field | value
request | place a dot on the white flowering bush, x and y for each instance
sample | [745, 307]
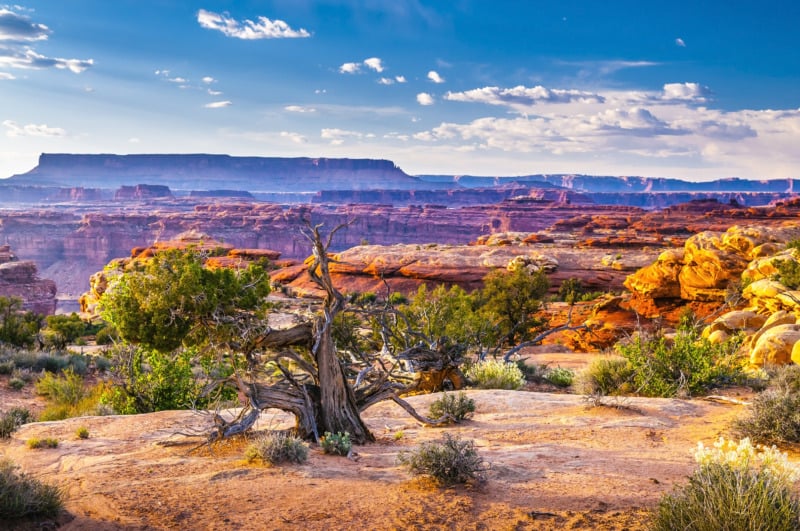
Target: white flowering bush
[737, 486]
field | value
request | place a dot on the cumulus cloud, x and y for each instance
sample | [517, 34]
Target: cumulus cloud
[400, 79]
[208, 80]
[297, 138]
[299, 108]
[218, 104]
[43, 130]
[263, 28]
[523, 96]
[214, 92]
[337, 136]
[680, 42]
[435, 77]
[374, 63]
[349, 68]
[18, 33]
[19, 28]
[423, 98]
[687, 92]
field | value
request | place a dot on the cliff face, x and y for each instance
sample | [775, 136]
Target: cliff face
[206, 172]
[20, 279]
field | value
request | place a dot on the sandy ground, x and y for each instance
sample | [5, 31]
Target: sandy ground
[555, 463]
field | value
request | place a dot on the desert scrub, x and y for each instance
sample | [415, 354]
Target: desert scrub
[23, 496]
[774, 415]
[447, 462]
[16, 383]
[336, 443]
[560, 377]
[496, 374]
[82, 432]
[689, 365]
[458, 407]
[277, 447]
[605, 377]
[13, 419]
[7, 366]
[737, 486]
[36, 444]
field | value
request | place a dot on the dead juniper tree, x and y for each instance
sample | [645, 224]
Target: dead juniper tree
[324, 393]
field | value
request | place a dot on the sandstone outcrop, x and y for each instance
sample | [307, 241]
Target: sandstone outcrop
[20, 279]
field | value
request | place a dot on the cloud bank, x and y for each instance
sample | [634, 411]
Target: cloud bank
[263, 28]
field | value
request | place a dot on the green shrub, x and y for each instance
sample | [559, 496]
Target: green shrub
[16, 383]
[737, 487]
[605, 377]
[448, 462]
[82, 432]
[23, 496]
[89, 404]
[277, 447]
[36, 444]
[458, 407]
[107, 335]
[774, 418]
[66, 388]
[13, 419]
[53, 363]
[336, 443]
[7, 366]
[496, 374]
[788, 272]
[560, 377]
[102, 363]
[689, 365]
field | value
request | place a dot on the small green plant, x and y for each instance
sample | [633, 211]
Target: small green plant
[23, 496]
[560, 377]
[496, 374]
[277, 447]
[16, 383]
[447, 462]
[459, 407]
[64, 389]
[774, 415]
[7, 366]
[605, 377]
[398, 435]
[736, 487]
[13, 419]
[336, 443]
[36, 444]
[82, 432]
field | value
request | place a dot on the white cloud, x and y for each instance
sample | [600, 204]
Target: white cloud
[177, 80]
[435, 77]
[680, 42]
[320, 91]
[218, 104]
[6, 75]
[264, 28]
[337, 136]
[400, 79]
[386, 81]
[688, 92]
[18, 33]
[208, 80]
[374, 63]
[297, 138]
[299, 109]
[42, 130]
[523, 96]
[349, 68]
[19, 28]
[423, 98]
[214, 92]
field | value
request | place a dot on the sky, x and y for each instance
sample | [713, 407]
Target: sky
[684, 89]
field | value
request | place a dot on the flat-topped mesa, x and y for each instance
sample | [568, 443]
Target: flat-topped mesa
[204, 171]
[20, 279]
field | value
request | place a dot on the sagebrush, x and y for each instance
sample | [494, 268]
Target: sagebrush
[24, 496]
[277, 447]
[459, 407]
[496, 374]
[448, 462]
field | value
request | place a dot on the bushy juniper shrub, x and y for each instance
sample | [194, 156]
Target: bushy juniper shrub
[24, 496]
[496, 374]
[336, 443]
[788, 273]
[277, 447]
[459, 407]
[447, 462]
[736, 487]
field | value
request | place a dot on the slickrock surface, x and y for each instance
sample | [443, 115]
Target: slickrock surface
[554, 464]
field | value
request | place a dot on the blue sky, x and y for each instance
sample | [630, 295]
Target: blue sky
[686, 89]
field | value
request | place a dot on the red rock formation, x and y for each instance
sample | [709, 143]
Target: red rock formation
[20, 279]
